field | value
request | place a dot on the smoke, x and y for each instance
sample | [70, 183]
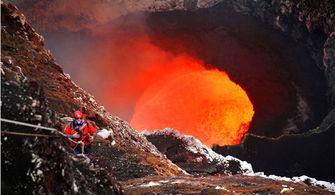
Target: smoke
[100, 51]
[108, 55]
[116, 62]
[71, 15]
[120, 67]
[74, 15]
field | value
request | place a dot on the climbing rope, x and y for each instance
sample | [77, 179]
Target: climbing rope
[26, 134]
[35, 126]
[79, 143]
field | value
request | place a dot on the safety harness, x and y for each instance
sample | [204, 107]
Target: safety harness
[79, 130]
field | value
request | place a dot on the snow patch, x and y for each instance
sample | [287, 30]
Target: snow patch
[113, 143]
[39, 172]
[313, 181]
[74, 187]
[286, 188]
[220, 188]
[67, 75]
[302, 179]
[150, 184]
[66, 119]
[104, 133]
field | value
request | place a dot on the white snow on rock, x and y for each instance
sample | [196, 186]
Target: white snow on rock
[67, 75]
[285, 190]
[113, 143]
[67, 119]
[313, 181]
[74, 186]
[301, 179]
[220, 188]
[150, 184]
[195, 146]
[104, 133]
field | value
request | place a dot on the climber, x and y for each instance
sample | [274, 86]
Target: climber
[80, 130]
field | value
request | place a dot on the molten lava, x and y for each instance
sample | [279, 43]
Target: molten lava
[157, 89]
[203, 103]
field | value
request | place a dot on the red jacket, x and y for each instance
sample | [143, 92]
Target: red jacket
[84, 130]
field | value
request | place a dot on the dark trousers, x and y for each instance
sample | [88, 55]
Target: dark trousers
[78, 149]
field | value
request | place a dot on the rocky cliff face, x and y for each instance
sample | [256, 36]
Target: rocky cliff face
[304, 21]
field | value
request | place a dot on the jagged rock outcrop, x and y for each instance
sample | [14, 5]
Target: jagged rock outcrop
[194, 157]
[35, 90]
[41, 165]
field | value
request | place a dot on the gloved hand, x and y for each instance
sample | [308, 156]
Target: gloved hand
[76, 135]
[90, 138]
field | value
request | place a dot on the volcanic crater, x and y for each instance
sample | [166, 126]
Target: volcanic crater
[279, 64]
[287, 89]
[285, 85]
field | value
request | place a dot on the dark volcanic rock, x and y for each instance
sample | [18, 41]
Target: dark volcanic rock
[194, 157]
[117, 162]
[307, 22]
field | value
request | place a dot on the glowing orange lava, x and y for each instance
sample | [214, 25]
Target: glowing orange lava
[160, 89]
[203, 103]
